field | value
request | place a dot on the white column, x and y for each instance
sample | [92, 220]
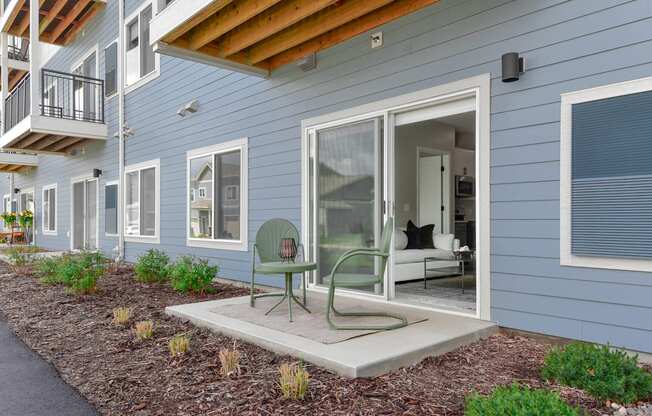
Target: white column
[4, 68]
[34, 57]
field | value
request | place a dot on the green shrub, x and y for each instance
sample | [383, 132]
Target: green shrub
[190, 274]
[518, 401]
[47, 269]
[80, 271]
[604, 373]
[152, 266]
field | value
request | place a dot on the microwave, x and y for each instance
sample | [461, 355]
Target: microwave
[464, 186]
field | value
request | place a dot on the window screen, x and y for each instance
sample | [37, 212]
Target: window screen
[110, 69]
[111, 209]
[611, 183]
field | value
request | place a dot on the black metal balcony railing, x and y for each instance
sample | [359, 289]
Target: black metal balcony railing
[17, 104]
[66, 96]
[18, 48]
[72, 96]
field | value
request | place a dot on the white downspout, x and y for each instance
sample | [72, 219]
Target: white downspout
[121, 133]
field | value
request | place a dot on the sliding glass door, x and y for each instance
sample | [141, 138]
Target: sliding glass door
[84, 215]
[346, 196]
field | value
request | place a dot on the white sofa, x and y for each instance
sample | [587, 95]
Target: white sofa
[408, 264]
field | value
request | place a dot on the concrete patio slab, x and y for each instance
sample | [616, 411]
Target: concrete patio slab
[365, 356]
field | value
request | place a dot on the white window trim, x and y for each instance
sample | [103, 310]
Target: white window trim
[52, 186]
[25, 191]
[94, 49]
[151, 239]
[235, 245]
[110, 183]
[157, 57]
[202, 190]
[566, 258]
[117, 86]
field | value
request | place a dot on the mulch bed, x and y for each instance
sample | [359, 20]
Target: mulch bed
[119, 375]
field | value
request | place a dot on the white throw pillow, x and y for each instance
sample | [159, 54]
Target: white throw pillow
[400, 240]
[443, 241]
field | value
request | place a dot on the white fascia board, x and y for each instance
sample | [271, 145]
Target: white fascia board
[72, 128]
[166, 49]
[16, 133]
[18, 159]
[174, 15]
[16, 64]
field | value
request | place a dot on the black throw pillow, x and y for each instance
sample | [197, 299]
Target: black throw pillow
[414, 238]
[425, 236]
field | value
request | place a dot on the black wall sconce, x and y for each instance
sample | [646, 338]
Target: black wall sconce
[512, 67]
[97, 173]
[16, 190]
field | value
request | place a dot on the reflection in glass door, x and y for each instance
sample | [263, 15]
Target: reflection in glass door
[346, 196]
[84, 215]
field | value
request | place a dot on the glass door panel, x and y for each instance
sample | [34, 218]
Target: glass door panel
[78, 198]
[91, 215]
[347, 179]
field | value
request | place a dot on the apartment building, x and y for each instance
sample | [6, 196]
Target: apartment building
[520, 128]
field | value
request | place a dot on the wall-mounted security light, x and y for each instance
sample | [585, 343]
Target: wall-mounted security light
[376, 40]
[308, 62]
[16, 190]
[189, 108]
[513, 67]
[97, 173]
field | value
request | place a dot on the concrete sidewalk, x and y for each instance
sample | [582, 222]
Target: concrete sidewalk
[29, 386]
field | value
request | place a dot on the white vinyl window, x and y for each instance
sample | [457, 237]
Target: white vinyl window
[111, 69]
[141, 63]
[218, 218]
[49, 209]
[142, 202]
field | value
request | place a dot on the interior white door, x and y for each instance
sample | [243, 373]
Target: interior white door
[431, 191]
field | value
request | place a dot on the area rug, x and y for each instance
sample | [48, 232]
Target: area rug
[312, 325]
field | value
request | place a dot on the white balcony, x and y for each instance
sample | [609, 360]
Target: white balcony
[71, 113]
[17, 162]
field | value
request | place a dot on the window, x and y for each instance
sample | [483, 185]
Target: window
[111, 208]
[214, 219]
[49, 209]
[606, 177]
[142, 202]
[111, 69]
[140, 59]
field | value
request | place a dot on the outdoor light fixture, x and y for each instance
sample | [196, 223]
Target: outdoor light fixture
[16, 190]
[307, 63]
[512, 67]
[97, 173]
[191, 108]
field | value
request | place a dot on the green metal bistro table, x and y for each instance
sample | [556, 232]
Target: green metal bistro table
[288, 269]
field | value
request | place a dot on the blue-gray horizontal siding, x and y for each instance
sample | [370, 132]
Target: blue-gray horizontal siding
[567, 45]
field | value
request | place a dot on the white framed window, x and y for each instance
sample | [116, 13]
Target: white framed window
[231, 193]
[111, 208]
[49, 209]
[142, 202]
[141, 63]
[606, 177]
[111, 69]
[213, 221]
[202, 192]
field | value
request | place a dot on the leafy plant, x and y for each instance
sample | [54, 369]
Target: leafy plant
[144, 329]
[121, 316]
[293, 381]
[229, 361]
[604, 373]
[80, 271]
[179, 345]
[515, 400]
[8, 217]
[152, 266]
[190, 274]
[19, 257]
[47, 269]
[26, 218]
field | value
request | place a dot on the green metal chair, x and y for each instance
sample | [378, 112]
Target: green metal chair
[352, 281]
[266, 247]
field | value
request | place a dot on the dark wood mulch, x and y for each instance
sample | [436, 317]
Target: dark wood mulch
[120, 375]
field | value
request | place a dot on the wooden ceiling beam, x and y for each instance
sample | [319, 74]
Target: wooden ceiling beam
[77, 26]
[29, 140]
[76, 10]
[47, 142]
[311, 27]
[345, 32]
[52, 14]
[204, 14]
[269, 23]
[230, 17]
[62, 144]
[12, 18]
[71, 147]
